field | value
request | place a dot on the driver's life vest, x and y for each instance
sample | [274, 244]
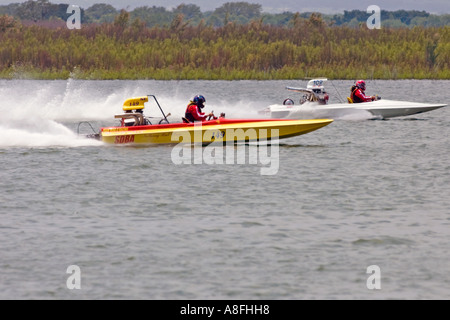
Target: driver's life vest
[188, 114]
[354, 97]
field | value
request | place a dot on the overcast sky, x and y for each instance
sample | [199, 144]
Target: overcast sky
[274, 6]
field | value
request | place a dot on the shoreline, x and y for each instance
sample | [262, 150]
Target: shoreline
[170, 75]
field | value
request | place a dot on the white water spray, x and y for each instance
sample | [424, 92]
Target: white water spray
[46, 113]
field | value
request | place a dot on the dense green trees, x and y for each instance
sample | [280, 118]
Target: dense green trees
[100, 13]
[237, 12]
[126, 49]
[153, 43]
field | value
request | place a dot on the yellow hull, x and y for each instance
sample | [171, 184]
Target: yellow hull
[228, 131]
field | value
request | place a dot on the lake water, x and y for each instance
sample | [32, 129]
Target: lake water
[354, 194]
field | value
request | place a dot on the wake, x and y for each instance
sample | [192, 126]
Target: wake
[42, 133]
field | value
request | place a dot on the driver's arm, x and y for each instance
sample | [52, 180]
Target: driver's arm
[198, 115]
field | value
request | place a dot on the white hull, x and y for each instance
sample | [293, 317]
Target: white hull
[381, 109]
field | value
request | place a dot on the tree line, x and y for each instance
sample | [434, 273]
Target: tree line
[237, 12]
[309, 47]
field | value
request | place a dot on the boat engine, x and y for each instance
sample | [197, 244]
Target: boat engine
[317, 86]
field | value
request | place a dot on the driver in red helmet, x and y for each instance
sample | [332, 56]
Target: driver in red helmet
[194, 110]
[358, 94]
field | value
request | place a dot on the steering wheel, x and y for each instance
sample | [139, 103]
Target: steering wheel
[211, 116]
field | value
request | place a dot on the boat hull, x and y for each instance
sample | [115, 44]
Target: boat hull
[221, 130]
[383, 109]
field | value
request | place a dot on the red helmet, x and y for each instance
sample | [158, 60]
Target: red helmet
[361, 84]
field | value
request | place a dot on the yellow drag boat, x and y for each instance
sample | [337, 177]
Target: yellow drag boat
[136, 129]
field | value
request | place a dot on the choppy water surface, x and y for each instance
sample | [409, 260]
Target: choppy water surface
[348, 196]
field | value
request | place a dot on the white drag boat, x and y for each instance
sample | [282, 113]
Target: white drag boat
[314, 105]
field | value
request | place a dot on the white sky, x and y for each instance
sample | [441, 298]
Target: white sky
[274, 6]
